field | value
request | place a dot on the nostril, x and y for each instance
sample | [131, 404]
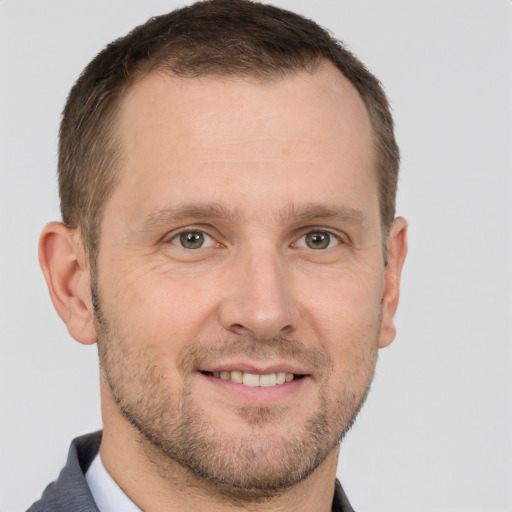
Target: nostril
[254, 316]
[240, 329]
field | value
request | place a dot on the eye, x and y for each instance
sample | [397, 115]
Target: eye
[318, 240]
[193, 240]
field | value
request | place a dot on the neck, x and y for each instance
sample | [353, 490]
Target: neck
[155, 483]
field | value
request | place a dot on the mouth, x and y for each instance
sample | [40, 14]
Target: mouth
[255, 379]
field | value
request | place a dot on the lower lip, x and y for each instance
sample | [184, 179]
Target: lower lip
[256, 395]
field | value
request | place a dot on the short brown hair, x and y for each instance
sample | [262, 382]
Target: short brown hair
[209, 38]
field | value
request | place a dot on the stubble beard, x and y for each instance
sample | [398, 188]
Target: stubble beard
[262, 462]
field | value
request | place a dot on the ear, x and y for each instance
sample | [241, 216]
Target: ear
[397, 250]
[65, 267]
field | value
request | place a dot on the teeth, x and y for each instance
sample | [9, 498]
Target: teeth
[253, 379]
[237, 377]
[250, 379]
[268, 380]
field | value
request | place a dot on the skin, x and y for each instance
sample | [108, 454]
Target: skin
[254, 168]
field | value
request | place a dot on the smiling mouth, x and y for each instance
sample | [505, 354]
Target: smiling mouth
[254, 379]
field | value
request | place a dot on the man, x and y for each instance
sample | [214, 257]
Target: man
[227, 176]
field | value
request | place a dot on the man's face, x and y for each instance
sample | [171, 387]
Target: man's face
[240, 272]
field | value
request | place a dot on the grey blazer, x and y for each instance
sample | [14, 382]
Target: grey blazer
[70, 493]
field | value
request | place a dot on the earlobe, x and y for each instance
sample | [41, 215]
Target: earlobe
[397, 250]
[64, 264]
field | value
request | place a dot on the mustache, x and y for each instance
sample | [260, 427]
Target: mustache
[200, 354]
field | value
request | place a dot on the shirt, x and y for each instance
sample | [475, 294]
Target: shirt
[109, 497]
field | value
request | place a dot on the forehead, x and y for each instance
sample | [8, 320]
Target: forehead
[326, 100]
[239, 138]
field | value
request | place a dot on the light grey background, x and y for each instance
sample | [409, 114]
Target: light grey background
[435, 434]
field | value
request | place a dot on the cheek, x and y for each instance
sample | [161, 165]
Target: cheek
[345, 317]
[347, 303]
[162, 311]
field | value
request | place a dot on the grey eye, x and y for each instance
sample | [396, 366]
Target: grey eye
[319, 240]
[192, 239]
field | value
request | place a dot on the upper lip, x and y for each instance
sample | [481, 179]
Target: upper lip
[255, 368]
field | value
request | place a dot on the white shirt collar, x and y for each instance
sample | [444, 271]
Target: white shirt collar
[109, 497]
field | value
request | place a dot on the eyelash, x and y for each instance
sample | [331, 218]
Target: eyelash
[331, 237]
[179, 240]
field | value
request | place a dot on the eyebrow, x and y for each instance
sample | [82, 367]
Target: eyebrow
[318, 211]
[290, 214]
[192, 212]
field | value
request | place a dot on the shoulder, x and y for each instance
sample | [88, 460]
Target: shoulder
[70, 490]
[340, 502]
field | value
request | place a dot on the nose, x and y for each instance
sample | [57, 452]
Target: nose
[259, 300]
